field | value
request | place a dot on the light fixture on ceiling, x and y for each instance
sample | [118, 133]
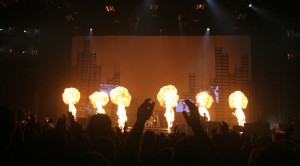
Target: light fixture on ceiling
[200, 6]
[110, 8]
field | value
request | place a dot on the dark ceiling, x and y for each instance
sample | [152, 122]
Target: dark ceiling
[152, 17]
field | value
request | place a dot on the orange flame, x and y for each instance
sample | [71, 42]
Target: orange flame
[204, 101]
[122, 98]
[98, 100]
[168, 98]
[71, 96]
[238, 101]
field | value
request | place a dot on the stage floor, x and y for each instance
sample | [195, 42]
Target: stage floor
[157, 130]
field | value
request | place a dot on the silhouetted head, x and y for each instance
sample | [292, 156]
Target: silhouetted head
[272, 154]
[164, 157]
[107, 147]
[99, 125]
[52, 148]
[189, 151]
[148, 147]
[93, 158]
[148, 141]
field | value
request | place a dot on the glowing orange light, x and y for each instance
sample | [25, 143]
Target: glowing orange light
[71, 96]
[121, 97]
[204, 101]
[238, 101]
[168, 98]
[99, 100]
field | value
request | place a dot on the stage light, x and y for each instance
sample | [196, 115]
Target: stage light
[25, 31]
[1, 29]
[200, 6]
[11, 50]
[207, 32]
[110, 8]
[36, 31]
[290, 32]
[250, 5]
[11, 29]
[241, 16]
[290, 56]
[91, 32]
[153, 7]
[34, 51]
[69, 18]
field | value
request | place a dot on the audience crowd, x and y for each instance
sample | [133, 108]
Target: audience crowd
[65, 142]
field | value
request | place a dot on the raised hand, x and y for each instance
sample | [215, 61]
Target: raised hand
[75, 127]
[71, 117]
[194, 119]
[61, 123]
[224, 128]
[131, 147]
[145, 110]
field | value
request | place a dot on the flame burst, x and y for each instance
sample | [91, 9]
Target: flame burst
[99, 100]
[168, 98]
[238, 101]
[121, 97]
[71, 96]
[204, 101]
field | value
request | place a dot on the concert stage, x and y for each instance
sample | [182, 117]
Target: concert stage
[157, 130]
[184, 128]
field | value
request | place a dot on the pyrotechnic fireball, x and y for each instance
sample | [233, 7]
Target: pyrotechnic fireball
[238, 101]
[71, 96]
[168, 98]
[204, 101]
[99, 100]
[121, 97]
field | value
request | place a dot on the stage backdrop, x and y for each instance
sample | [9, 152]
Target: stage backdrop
[146, 63]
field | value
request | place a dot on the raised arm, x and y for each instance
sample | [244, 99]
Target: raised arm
[193, 120]
[131, 147]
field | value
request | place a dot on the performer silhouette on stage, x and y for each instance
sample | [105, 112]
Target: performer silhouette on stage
[153, 121]
[205, 117]
[156, 118]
